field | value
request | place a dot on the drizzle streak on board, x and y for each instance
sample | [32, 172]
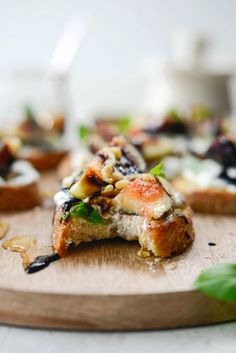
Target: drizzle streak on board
[34, 258]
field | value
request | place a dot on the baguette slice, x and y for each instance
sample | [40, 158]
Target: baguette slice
[165, 237]
[18, 180]
[41, 145]
[21, 190]
[207, 200]
[44, 160]
[19, 197]
[209, 183]
[131, 204]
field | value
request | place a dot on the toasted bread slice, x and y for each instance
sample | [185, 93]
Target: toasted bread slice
[19, 197]
[164, 237]
[20, 190]
[206, 200]
[209, 183]
[18, 180]
[44, 160]
[124, 202]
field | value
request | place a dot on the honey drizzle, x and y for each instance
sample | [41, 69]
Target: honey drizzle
[34, 258]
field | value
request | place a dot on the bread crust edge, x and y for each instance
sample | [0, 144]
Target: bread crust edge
[165, 237]
[211, 201]
[19, 197]
[43, 161]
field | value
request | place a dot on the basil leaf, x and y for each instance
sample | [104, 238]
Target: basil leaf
[201, 113]
[83, 132]
[85, 211]
[29, 114]
[157, 171]
[218, 282]
[174, 115]
[124, 124]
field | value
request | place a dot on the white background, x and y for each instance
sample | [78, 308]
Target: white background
[212, 339]
[107, 70]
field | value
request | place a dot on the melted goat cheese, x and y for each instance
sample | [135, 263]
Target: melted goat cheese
[24, 174]
[203, 173]
[61, 197]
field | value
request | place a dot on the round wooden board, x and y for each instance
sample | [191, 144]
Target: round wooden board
[106, 286]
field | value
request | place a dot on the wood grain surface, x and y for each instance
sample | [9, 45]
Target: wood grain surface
[105, 286]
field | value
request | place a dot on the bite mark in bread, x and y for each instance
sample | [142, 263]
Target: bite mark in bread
[138, 206]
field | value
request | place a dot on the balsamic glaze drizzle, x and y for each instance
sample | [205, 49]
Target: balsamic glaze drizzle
[211, 244]
[168, 127]
[223, 151]
[126, 165]
[41, 262]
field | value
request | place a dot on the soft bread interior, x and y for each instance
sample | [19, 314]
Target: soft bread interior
[162, 238]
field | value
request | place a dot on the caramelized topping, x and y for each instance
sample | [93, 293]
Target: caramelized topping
[109, 166]
[144, 196]
[115, 180]
[146, 191]
[90, 182]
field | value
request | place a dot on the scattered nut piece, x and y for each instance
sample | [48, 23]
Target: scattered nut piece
[107, 173]
[147, 177]
[117, 175]
[107, 190]
[143, 252]
[116, 151]
[121, 183]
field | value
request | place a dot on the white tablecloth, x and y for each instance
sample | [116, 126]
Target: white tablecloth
[216, 339]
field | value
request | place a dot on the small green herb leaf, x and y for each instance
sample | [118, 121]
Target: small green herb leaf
[85, 211]
[218, 282]
[174, 115]
[157, 171]
[29, 114]
[200, 112]
[124, 124]
[83, 132]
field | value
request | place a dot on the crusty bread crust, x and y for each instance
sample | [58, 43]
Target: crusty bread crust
[164, 237]
[44, 161]
[19, 197]
[173, 235]
[206, 200]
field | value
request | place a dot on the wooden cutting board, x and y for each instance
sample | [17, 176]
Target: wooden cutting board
[105, 286]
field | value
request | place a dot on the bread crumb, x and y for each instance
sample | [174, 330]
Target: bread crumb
[143, 253]
[171, 266]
